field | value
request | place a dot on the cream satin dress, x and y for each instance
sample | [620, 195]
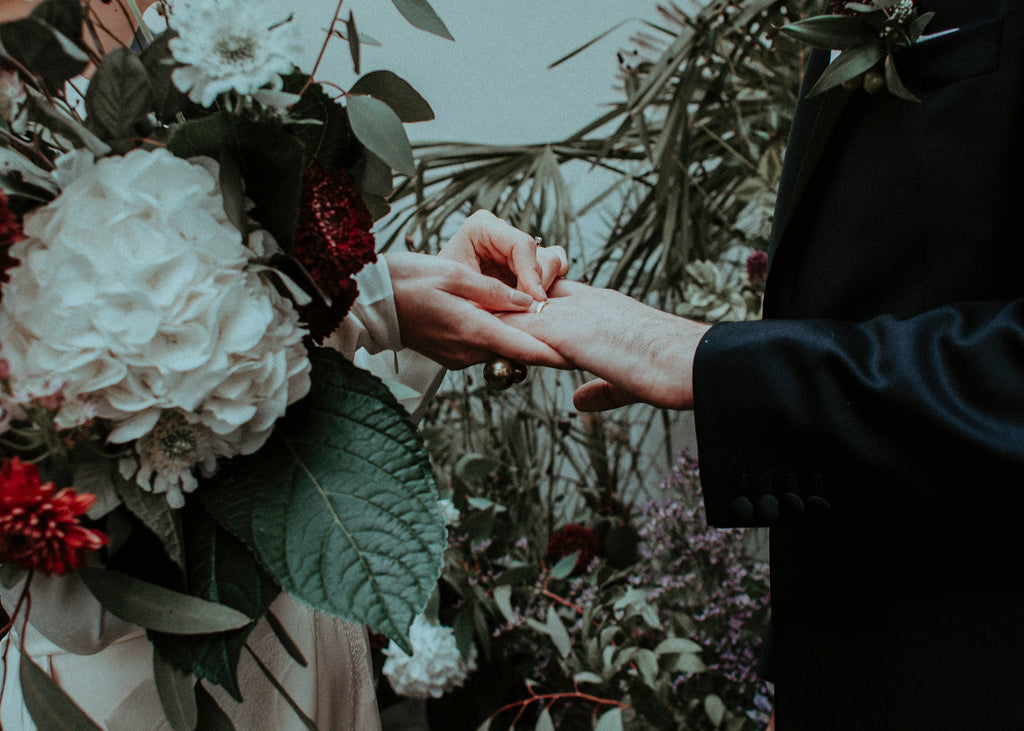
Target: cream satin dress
[106, 664]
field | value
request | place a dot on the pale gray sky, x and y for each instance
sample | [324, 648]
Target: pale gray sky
[492, 83]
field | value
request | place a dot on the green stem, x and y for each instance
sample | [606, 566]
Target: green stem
[143, 28]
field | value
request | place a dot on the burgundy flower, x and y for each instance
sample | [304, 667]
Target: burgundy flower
[333, 242]
[39, 526]
[570, 539]
[757, 267]
[10, 233]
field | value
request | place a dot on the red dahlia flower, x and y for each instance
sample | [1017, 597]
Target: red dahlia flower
[10, 233]
[573, 538]
[39, 526]
[333, 242]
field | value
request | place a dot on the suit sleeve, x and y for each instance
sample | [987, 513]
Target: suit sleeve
[895, 418]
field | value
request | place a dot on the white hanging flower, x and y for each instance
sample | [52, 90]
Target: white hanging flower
[436, 665]
[134, 291]
[224, 45]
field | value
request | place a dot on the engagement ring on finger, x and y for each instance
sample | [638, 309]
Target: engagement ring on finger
[536, 307]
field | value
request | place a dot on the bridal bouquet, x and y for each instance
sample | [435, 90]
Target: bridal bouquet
[173, 256]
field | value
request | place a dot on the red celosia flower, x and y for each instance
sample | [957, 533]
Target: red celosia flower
[333, 242]
[570, 539]
[10, 232]
[757, 267]
[39, 526]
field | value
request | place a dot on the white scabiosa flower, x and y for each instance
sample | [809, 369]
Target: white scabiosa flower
[134, 292]
[225, 45]
[436, 665]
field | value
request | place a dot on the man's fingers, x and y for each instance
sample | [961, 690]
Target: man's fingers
[491, 334]
[600, 395]
[488, 292]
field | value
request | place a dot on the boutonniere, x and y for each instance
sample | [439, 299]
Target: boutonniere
[867, 36]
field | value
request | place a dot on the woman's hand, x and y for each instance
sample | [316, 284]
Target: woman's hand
[445, 311]
[489, 245]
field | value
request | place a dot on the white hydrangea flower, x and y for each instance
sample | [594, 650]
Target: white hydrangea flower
[436, 665]
[134, 291]
[224, 45]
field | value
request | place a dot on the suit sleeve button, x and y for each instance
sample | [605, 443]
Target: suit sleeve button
[793, 504]
[742, 509]
[767, 507]
[818, 504]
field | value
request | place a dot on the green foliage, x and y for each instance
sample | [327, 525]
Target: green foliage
[340, 505]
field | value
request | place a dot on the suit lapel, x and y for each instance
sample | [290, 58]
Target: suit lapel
[812, 126]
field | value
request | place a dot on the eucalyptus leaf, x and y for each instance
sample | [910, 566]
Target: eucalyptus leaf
[893, 82]
[48, 705]
[831, 32]
[177, 694]
[422, 15]
[565, 565]
[610, 721]
[211, 715]
[558, 633]
[340, 504]
[463, 629]
[714, 707]
[380, 129]
[848, 65]
[586, 676]
[503, 598]
[397, 93]
[155, 607]
[353, 41]
[544, 721]
[221, 569]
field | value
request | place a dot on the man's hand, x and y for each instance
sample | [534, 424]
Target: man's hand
[639, 353]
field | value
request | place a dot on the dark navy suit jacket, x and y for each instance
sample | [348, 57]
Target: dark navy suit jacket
[875, 418]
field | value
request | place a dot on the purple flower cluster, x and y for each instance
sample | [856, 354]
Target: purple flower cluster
[711, 574]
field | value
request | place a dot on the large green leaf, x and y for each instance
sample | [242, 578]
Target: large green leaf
[380, 129]
[118, 98]
[340, 504]
[422, 15]
[220, 569]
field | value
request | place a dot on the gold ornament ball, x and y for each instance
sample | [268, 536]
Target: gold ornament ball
[499, 374]
[518, 373]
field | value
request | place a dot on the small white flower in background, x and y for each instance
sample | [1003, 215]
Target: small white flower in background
[451, 513]
[225, 45]
[436, 665]
[134, 291]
